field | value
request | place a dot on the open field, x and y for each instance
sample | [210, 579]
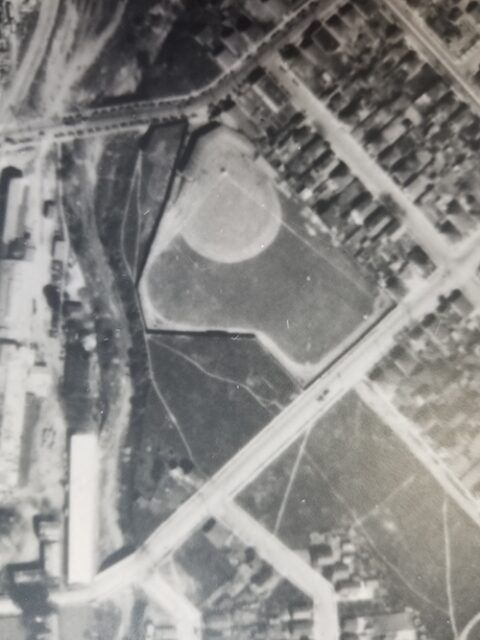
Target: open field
[243, 259]
[209, 395]
[13, 628]
[182, 66]
[106, 620]
[353, 471]
[154, 492]
[74, 622]
[148, 191]
[133, 181]
[205, 568]
[222, 391]
[109, 172]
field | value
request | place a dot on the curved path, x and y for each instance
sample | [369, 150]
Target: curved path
[468, 628]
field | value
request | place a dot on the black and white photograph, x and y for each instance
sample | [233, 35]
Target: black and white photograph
[239, 319]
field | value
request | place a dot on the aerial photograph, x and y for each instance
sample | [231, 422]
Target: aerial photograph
[239, 319]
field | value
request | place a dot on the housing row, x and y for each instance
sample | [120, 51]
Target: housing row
[306, 167]
[457, 24]
[365, 607]
[359, 63]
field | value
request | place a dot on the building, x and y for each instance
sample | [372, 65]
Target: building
[388, 626]
[15, 210]
[82, 509]
[16, 300]
[15, 364]
[51, 547]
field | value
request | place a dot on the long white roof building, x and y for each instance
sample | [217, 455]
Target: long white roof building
[83, 509]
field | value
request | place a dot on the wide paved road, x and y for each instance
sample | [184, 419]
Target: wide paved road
[284, 429]
[133, 114]
[186, 617]
[289, 565]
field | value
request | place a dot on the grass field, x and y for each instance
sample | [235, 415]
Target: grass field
[353, 470]
[133, 179]
[221, 391]
[13, 628]
[155, 493]
[207, 568]
[209, 396]
[183, 65]
[293, 289]
[112, 170]
[149, 190]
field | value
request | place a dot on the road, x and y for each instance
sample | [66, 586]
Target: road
[374, 397]
[139, 113]
[348, 149]
[283, 430]
[288, 564]
[30, 64]
[186, 618]
[346, 373]
[432, 45]
[194, 105]
[377, 181]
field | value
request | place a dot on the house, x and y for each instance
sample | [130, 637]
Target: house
[388, 626]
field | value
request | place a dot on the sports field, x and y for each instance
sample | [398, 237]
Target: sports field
[232, 254]
[352, 470]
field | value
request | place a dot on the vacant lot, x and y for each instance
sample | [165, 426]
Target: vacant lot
[207, 567]
[207, 397]
[13, 628]
[75, 622]
[232, 255]
[148, 191]
[353, 470]
[133, 180]
[219, 391]
[154, 491]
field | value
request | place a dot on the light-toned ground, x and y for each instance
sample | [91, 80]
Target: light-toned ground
[228, 210]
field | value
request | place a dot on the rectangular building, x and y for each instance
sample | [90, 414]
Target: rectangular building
[17, 288]
[82, 511]
[15, 209]
[15, 365]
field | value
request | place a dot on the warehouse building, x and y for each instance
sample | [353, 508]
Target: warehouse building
[16, 300]
[15, 363]
[82, 510]
[15, 210]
